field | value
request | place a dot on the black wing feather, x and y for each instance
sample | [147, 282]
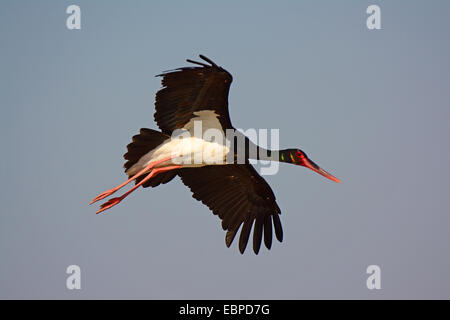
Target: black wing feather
[190, 89]
[240, 197]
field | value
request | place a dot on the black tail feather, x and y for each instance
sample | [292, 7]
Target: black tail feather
[144, 142]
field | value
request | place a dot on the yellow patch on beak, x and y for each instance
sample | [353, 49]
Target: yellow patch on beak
[292, 157]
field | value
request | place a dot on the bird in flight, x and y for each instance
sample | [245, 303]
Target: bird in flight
[233, 190]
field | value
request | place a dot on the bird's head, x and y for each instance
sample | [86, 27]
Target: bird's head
[298, 157]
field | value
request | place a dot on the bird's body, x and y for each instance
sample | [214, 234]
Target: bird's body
[192, 113]
[191, 150]
[186, 152]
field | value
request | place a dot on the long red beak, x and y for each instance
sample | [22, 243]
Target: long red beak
[314, 167]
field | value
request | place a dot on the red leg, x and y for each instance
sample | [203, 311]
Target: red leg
[146, 169]
[112, 202]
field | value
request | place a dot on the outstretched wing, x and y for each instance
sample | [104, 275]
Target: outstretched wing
[238, 195]
[190, 89]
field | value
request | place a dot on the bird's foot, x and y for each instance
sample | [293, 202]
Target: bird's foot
[145, 170]
[104, 195]
[110, 203]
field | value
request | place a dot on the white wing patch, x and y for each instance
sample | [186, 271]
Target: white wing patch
[208, 119]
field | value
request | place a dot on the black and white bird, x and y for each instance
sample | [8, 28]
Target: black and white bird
[232, 190]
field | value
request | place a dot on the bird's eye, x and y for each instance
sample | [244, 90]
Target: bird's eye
[299, 154]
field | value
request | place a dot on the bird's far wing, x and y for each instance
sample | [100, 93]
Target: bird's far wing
[190, 89]
[238, 195]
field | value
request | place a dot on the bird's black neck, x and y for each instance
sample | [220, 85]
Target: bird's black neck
[284, 155]
[253, 151]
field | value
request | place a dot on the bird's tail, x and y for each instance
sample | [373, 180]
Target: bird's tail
[144, 142]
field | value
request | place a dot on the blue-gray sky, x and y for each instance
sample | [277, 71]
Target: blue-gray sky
[370, 106]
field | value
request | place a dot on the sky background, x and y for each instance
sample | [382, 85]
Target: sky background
[370, 106]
